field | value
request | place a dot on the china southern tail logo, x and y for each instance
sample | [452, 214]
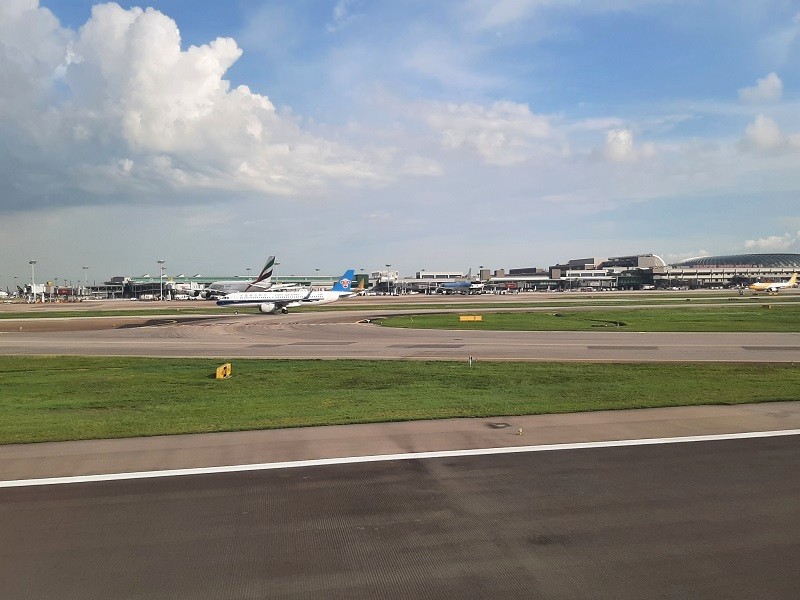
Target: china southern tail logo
[345, 282]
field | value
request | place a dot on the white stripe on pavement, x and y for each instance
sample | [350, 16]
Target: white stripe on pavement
[387, 457]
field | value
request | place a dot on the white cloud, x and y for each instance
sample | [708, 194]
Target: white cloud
[774, 243]
[768, 89]
[619, 147]
[764, 135]
[119, 106]
[506, 133]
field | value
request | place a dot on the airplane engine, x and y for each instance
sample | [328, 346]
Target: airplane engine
[267, 307]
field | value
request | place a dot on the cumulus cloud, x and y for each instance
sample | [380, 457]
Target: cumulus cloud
[119, 107]
[764, 135]
[768, 89]
[505, 133]
[619, 147]
[774, 243]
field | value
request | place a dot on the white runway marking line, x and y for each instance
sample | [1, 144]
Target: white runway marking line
[387, 457]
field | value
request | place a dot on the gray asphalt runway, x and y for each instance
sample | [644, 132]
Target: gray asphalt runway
[699, 520]
[345, 335]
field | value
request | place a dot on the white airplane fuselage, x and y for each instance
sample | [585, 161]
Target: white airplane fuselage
[270, 302]
[774, 286]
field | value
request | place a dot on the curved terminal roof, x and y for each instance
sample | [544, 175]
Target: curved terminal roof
[782, 260]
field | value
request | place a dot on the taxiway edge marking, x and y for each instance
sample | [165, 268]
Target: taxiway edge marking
[389, 457]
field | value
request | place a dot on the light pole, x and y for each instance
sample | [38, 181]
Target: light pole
[388, 280]
[85, 278]
[32, 263]
[161, 278]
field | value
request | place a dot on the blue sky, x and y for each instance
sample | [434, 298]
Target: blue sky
[436, 135]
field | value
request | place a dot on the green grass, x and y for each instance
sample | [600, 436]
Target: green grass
[746, 318]
[67, 398]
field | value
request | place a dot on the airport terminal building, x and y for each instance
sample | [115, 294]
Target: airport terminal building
[639, 271]
[646, 271]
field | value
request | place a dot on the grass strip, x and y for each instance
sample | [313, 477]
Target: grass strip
[70, 398]
[735, 318]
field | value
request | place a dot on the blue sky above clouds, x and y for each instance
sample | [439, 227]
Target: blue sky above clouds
[437, 135]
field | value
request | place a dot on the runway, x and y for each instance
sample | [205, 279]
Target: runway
[354, 335]
[703, 520]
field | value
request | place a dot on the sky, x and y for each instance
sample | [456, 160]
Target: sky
[425, 135]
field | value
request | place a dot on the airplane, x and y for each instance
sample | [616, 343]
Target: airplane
[772, 287]
[221, 288]
[272, 301]
[461, 286]
[361, 290]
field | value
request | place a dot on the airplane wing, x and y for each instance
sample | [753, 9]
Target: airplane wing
[272, 287]
[282, 286]
[284, 305]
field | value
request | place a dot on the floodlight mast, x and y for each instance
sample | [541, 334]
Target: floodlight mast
[32, 263]
[161, 277]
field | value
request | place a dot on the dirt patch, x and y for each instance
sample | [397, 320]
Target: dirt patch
[92, 323]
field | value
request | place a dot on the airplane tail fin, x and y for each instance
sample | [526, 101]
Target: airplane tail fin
[793, 280]
[345, 282]
[265, 275]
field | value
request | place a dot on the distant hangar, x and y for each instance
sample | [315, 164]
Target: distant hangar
[769, 261]
[727, 270]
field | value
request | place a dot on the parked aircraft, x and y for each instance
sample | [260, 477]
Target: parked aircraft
[272, 301]
[221, 288]
[772, 287]
[461, 286]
